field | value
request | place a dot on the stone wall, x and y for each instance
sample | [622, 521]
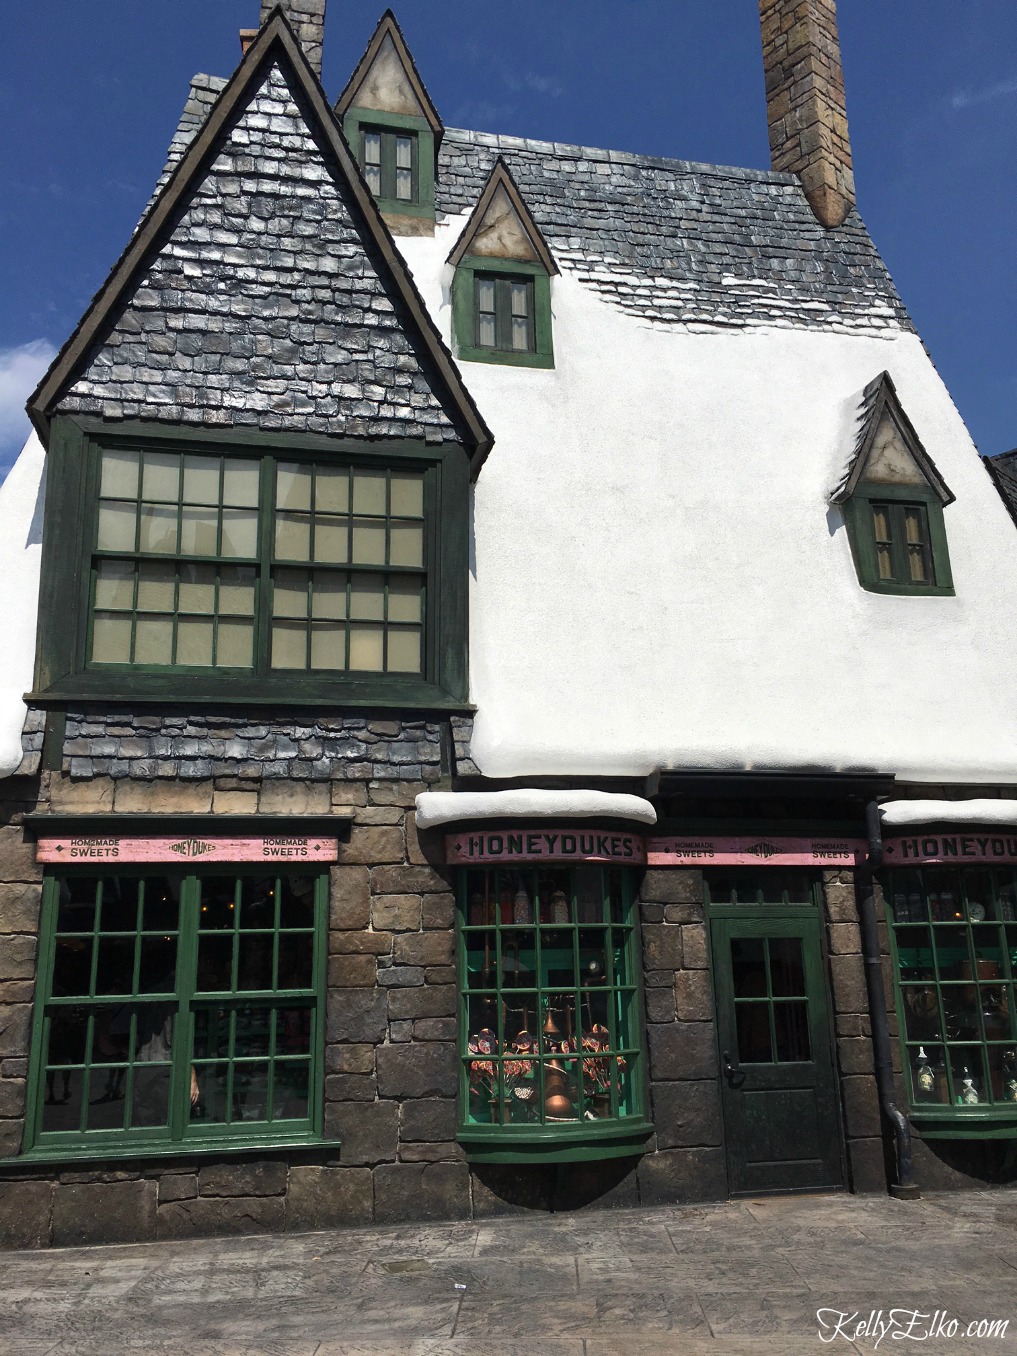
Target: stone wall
[685, 1161]
[20, 895]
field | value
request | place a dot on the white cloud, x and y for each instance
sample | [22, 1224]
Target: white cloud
[965, 98]
[20, 370]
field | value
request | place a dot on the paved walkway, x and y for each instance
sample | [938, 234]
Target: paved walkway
[720, 1280]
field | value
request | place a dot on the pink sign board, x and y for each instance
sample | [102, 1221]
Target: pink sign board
[112, 848]
[952, 849]
[757, 850]
[544, 845]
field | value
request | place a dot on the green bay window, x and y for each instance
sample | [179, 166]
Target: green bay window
[501, 310]
[551, 1048]
[178, 1011]
[954, 943]
[898, 539]
[395, 152]
[298, 576]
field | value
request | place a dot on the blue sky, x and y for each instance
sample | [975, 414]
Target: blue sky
[90, 92]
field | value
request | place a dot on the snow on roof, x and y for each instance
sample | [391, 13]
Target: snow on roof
[21, 497]
[900, 814]
[448, 807]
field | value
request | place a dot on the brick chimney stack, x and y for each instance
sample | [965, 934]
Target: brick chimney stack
[805, 109]
[307, 19]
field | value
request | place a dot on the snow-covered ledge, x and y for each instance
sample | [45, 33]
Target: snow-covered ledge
[446, 807]
[900, 814]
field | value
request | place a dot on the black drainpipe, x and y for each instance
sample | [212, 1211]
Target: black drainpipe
[904, 1188]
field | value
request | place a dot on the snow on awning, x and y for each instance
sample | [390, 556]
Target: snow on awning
[899, 814]
[447, 807]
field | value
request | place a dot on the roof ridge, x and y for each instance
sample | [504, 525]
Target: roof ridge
[502, 141]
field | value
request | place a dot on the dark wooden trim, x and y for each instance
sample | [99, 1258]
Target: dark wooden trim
[275, 43]
[884, 399]
[40, 824]
[501, 177]
[388, 25]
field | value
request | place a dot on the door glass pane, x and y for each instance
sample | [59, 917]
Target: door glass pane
[787, 967]
[748, 967]
[791, 1025]
[753, 1028]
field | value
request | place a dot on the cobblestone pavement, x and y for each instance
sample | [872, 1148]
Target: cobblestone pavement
[745, 1277]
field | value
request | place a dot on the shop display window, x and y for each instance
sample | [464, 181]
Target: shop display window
[551, 1045]
[954, 938]
[177, 1010]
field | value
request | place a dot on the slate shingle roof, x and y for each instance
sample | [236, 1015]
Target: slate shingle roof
[1003, 470]
[264, 307]
[700, 246]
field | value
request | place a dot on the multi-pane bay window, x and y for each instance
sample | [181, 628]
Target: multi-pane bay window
[266, 569]
[551, 1054]
[175, 1009]
[903, 547]
[954, 941]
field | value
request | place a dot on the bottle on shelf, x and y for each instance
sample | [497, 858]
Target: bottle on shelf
[925, 1079]
[968, 1093]
[1009, 1076]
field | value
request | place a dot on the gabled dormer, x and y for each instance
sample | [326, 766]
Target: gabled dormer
[394, 130]
[893, 497]
[501, 289]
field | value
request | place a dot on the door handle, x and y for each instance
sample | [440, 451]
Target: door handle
[731, 1071]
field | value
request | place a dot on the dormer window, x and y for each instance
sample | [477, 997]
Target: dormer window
[389, 161]
[892, 498]
[501, 291]
[394, 131]
[504, 313]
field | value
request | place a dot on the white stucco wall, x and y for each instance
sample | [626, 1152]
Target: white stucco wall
[20, 554]
[659, 580]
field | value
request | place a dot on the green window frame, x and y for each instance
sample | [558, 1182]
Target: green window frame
[486, 333]
[178, 1011]
[245, 567]
[551, 1038]
[897, 532]
[953, 940]
[381, 172]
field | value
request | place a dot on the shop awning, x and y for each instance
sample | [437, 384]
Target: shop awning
[899, 814]
[450, 807]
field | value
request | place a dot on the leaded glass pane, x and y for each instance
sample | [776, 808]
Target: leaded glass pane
[328, 647]
[369, 492]
[201, 480]
[293, 487]
[116, 527]
[239, 533]
[240, 483]
[199, 531]
[158, 529]
[153, 640]
[368, 542]
[235, 644]
[406, 545]
[404, 651]
[160, 478]
[367, 648]
[119, 479]
[407, 492]
[289, 645]
[194, 642]
[331, 490]
[367, 597]
[331, 536]
[114, 584]
[156, 586]
[111, 639]
[404, 601]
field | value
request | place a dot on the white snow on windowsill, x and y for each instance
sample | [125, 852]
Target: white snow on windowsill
[446, 807]
[900, 814]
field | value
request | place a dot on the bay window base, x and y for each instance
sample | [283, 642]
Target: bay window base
[933, 1125]
[492, 1145]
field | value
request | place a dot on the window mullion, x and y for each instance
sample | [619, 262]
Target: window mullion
[263, 582]
[388, 168]
[183, 1038]
[503, 314]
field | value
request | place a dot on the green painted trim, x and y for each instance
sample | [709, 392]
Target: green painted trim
[53, 740]
[354, 122]
[189, 1149]
[966, 1127]
[464, 319]
[861, 535]
[63, 672]
[584, 1146]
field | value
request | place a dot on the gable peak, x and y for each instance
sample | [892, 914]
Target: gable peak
[887, 450]
[386, 79]
[501, 225]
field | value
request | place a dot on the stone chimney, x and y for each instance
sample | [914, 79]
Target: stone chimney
[307, 19]
[805, 109]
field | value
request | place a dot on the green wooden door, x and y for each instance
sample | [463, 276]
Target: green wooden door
[781, 1124]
